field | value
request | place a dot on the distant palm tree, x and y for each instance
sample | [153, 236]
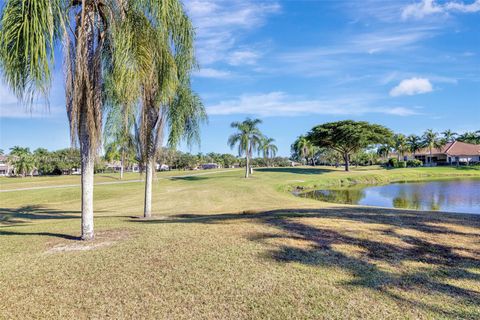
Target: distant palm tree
[414, 143]
[400, 142]
[384, 150]
[470, 137]
[449, 135]
[431, 141]
[248, 138]
[119, 140]
[268, 148]
[22, 160]
[303, 148]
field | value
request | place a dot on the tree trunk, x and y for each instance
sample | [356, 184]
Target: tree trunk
[87, 165]
[147, 211]
[122, 163]
[246, 166]
[347, 163]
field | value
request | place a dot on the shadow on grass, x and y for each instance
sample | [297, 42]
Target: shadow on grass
[295, 170]
[383, 241]
[46, 234]
[11, 216]
[189, 178]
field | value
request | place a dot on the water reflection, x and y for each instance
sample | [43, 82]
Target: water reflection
[445, 195]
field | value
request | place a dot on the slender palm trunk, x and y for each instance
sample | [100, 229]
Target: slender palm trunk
[246, 166]
[147, 211]
[122, 164]
[87, 164]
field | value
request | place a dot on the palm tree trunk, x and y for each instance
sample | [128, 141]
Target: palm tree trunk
[147, 211]
[122, 163]
[87, 164]
[246, 166]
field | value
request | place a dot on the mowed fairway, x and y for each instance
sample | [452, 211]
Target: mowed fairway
[224, 247]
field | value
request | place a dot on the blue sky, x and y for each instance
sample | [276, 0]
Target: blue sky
[409, 65]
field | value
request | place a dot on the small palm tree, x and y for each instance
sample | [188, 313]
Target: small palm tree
[431, 141]
[303, 148]
[384, 150]
[400, 142]
[449, 135]
[414, 143]
[268, 149]
[22, 160]
[248, 138]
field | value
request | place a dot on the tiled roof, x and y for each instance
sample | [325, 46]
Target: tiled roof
[455, 148]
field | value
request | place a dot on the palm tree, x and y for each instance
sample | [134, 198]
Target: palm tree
[154, 66]
[22, 160]
[431, 141]
[449, 135]
[303, 148]
[268, 148]
[400, 143]
[248, 137]
[470, 137]
[384, 150]
[30, 32]
[119, 140]
[414, 143]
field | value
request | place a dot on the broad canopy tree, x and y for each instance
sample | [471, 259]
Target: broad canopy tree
[348, 137]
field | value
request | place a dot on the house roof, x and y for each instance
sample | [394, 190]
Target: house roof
[455, 148]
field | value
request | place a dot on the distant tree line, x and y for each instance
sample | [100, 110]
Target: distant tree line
[362, 143]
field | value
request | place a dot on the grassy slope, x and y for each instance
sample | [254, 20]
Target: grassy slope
[284, 257]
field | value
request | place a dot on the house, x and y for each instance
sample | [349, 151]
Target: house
[210, 166]
[455, 152]
[6, 169]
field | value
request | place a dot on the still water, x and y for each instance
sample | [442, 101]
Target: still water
[443, 195]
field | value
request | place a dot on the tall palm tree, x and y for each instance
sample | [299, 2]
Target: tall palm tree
[268, 148]
[414, 143]
[449, 135]
[400, 143]
[31, 30]
[154, 67]
[431, 141]
[248, 137]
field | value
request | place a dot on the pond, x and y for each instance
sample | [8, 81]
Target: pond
[459, 195]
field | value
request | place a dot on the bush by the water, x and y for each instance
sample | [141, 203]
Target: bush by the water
[401, 164]
[414, 163]
[392, 163]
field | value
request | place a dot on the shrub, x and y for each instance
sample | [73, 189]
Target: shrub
[393, 162]
[401, 164]
[414, 163]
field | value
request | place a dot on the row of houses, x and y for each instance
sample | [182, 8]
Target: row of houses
[451, 153]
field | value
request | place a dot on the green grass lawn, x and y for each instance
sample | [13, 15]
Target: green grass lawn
[223, 247]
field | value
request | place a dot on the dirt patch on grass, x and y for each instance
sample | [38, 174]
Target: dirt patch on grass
[102, 239]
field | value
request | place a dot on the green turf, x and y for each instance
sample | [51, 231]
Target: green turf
[223, 247]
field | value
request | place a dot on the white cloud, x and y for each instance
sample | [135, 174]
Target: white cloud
[220, 24]
[411, 87]
[212, 73]
[281, 104]
[429, 7]
[243, 57]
